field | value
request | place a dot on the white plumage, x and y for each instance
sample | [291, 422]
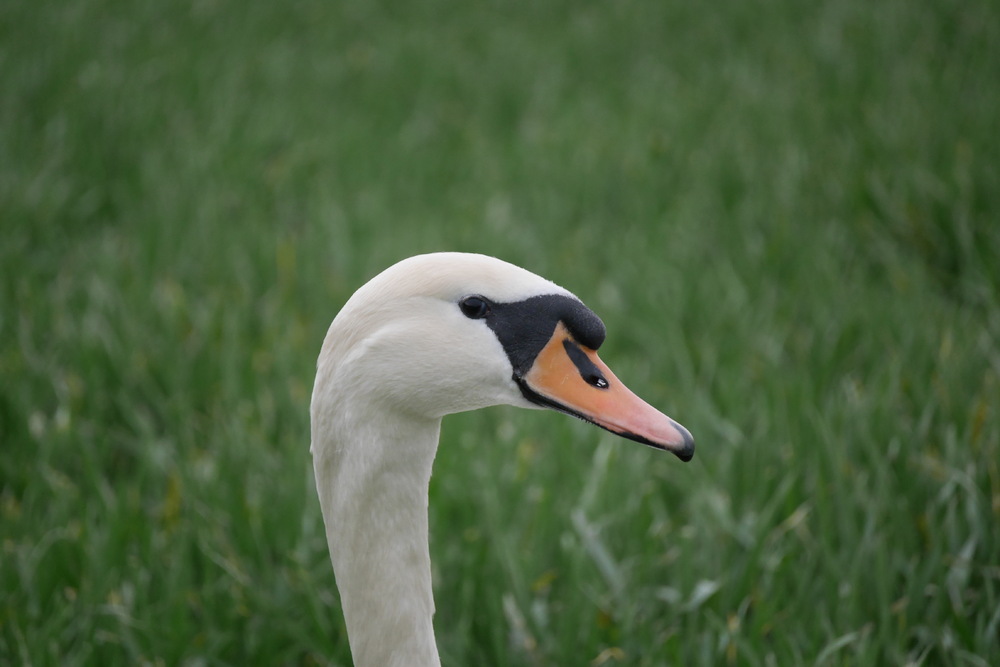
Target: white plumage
[400, 355]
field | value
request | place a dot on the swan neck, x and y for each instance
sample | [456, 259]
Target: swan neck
[373, 493]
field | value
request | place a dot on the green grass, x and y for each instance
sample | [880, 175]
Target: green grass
[788, 215]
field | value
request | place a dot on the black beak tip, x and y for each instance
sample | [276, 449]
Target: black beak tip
[685, 452]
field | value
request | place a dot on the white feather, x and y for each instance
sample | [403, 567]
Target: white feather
[398, 357]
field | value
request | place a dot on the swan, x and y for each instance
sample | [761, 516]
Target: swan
[433, 335]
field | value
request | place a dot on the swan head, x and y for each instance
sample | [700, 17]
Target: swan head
[449, 332]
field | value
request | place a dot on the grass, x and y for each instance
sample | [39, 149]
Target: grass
[785, 213]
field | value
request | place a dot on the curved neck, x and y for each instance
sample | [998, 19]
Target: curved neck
[372, 481]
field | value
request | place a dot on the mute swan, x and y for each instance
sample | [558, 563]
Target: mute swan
[433, 335]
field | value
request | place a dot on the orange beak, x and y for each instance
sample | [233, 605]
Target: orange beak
[571, 378]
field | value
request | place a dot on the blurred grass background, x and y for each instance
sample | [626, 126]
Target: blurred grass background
[787, 214]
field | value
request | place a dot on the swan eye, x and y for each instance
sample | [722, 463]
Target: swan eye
[474, 307]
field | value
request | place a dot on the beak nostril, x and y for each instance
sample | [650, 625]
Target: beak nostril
[598, 381]
[589, 372]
